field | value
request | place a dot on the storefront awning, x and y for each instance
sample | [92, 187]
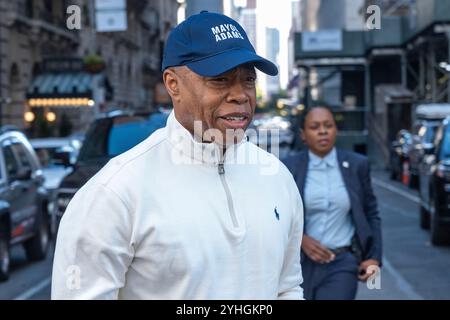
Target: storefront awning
[61, 85]
[68, 89]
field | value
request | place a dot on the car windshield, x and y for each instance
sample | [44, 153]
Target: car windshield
[445, 144]
[48, 155]
[430, 133]
[107, 139]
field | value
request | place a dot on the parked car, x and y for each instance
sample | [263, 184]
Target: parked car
[57, 156]
[267, 129]
[109, 136]
[399, 153]
[427, 118]
[24, 217]
[435, 186]
[431, 111]
[52, 153]
[423, 136]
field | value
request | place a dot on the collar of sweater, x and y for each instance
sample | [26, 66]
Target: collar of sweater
[188, 148]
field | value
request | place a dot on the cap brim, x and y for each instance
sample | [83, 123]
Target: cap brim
[225, 61]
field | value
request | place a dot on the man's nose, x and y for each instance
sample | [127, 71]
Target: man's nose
[237, 93]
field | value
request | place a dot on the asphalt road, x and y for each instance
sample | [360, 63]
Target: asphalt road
[413, 268]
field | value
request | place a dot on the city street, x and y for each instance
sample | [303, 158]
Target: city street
[413, 268]
[84, 82]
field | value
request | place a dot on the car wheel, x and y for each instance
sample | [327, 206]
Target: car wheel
[37, 247]
[4, 259]
[438, 235]
[424, 218]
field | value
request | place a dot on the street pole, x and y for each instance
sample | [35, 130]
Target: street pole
[93, 45]
[404, 73]
[448, 80]
[1, 57]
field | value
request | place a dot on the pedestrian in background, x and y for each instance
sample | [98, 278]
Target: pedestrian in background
[342, 232]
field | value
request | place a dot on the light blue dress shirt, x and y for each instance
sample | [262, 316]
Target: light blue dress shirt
[327, 204]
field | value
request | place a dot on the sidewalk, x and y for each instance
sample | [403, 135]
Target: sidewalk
[392, 287]
[393, 284]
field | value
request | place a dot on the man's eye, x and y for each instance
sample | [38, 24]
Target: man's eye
[251, 79]
[223, 79]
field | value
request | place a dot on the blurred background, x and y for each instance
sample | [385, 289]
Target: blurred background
[80, 82]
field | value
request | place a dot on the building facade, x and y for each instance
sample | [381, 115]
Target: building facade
[384, 72]
[35, 41]
[272, 52]
[196, 6]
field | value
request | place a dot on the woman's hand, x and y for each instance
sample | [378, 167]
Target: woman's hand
[316, 251]
[367, 269]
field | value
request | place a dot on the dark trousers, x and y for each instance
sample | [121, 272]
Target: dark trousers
[337, 280]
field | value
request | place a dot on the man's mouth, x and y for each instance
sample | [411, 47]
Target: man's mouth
[234, 118]
[235, 121]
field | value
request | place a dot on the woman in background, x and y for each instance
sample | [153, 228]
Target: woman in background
[342, 234]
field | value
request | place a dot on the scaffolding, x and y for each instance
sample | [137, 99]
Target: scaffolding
[428, 67]
[410, 55]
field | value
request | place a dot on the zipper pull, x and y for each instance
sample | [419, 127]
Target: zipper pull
[221, 168]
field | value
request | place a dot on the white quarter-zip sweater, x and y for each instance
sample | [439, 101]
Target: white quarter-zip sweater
[170, 219]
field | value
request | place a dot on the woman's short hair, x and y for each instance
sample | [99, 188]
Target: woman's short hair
[308, 110]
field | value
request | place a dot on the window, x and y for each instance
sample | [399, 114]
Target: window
[23, 157]
[351, 120]
[429, 134]
[14, 82]
[107, 139]
[25, 7]
[126, 133]
[445, 144]
[11, 164]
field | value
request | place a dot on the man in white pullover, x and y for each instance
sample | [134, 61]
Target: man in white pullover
[195, 211]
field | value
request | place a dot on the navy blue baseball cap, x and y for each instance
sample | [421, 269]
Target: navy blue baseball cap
[210, 44]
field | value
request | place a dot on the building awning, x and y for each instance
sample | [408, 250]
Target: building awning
[67, 89]
[61, 85]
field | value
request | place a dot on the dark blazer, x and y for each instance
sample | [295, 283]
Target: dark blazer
[356, 175]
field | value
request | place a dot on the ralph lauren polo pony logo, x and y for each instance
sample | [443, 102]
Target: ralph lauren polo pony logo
[277, 215]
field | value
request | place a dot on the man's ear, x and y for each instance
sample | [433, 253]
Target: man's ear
[172, 83]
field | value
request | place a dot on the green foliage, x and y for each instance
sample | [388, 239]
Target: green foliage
[92, 59]
[93, 63]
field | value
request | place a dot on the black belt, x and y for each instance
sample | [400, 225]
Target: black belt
[337, 251]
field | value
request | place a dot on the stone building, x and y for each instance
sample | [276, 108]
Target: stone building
[42, 62]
